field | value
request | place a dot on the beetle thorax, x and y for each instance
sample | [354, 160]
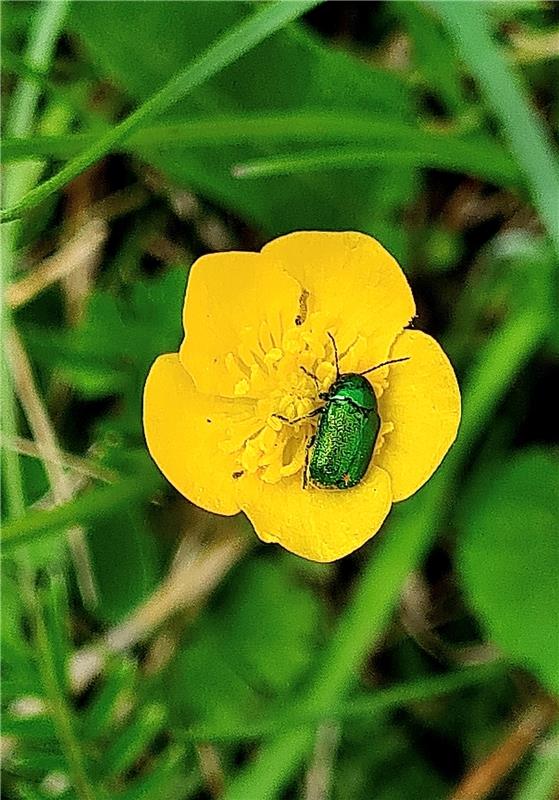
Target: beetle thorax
[354, 388]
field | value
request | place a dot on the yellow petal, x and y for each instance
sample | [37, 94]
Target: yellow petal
[228, 293]
[184, 430]
[318, 524]
[422, 401]
[353, 279]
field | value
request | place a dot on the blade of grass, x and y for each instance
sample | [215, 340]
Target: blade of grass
[412, 529]
[502, 88]
[481, 155]
[19, 66]
[227, 49]
[45, 29]
[364, 707]
[43, 37]
[455, 156]
[36, 525]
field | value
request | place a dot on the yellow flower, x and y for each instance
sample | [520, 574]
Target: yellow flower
[251, 321]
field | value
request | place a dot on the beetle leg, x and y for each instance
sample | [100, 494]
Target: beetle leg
[313, 413]
[310, 375]
[307, 457]
[336, 357]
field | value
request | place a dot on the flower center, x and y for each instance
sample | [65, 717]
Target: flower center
[281, 382]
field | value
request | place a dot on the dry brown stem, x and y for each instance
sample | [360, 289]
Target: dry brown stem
[319, 776]
[77, 251]
[484, 777]
[47, 446]
[211, 769]
[81, 466]
[190, 580]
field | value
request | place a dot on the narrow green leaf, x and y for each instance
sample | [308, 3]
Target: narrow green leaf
[237, 41]
[134, 739]
[361, 707]
[61, 147]
[316, 127]
[101, 500]
[451, 154]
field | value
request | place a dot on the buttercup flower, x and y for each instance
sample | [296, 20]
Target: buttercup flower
[219, 414]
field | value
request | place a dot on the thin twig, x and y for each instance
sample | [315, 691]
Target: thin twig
[78, 464]
[76, 252]
[187, 584]
[119, 203]
[45, 439]
[485, 777]
[531, 47]
[319, 776]
[78, 283]
[211, 769]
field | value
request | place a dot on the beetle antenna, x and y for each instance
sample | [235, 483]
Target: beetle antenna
[336, 359]
[385, 364]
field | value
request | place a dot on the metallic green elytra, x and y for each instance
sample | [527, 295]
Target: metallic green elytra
[347, 432]
[339, 454]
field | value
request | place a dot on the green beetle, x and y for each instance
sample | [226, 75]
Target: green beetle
[339, 453]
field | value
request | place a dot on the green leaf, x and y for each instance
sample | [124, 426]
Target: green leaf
[510, 560]
[265, 129]
[124, 559]
[236, 660]
[205, 685]
[275, 653]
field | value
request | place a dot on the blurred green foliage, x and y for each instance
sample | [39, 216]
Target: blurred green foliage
[197, 662]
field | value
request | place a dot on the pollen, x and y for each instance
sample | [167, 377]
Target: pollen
[282, 383]
[242, 387]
